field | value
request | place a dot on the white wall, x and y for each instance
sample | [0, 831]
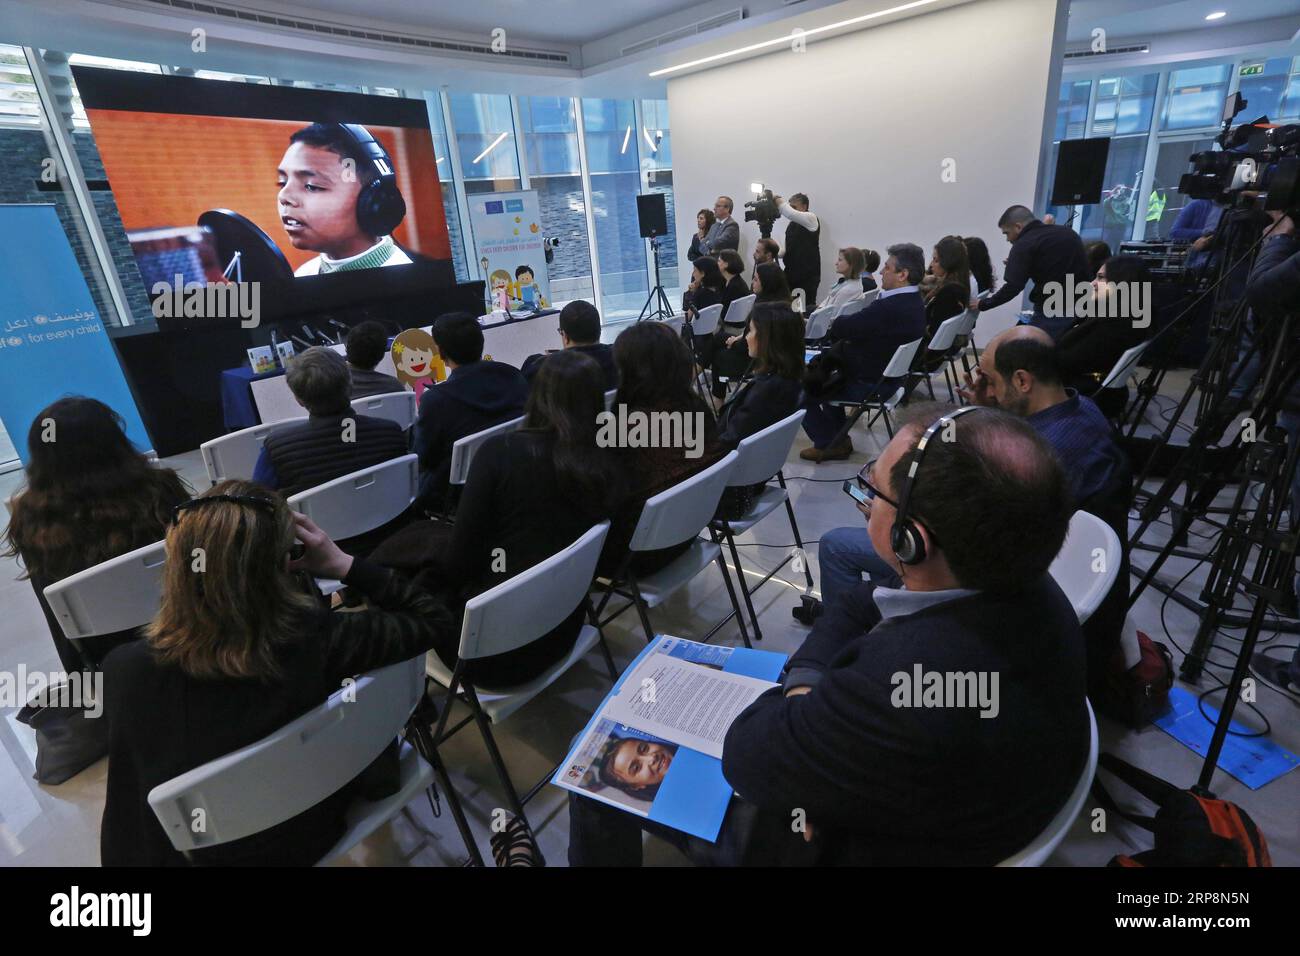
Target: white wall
[863, 123]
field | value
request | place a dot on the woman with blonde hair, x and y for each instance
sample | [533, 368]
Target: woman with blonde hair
[849, 265]
[238, 649]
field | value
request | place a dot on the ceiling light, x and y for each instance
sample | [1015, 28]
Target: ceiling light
[1216, 15]
[495, 143]
[781, 40]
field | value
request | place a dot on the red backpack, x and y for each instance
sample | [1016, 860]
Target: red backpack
[1191, 829]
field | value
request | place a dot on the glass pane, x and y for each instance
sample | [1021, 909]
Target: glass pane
[1196, 97]
[1124, 105]
[1112, 221]
[1171, 163]
[1072, 109]
[550, 127]
[1263, 83]
[613, 159]
[659, 179]
[446, 177]
[485, 138]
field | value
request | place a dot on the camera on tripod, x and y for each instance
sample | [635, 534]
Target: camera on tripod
[1256, 159]
[762, 210]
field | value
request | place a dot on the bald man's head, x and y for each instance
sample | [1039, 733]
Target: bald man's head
[1020, 365]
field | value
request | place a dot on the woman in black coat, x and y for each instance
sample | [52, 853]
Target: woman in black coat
[948, 296]
[774, 341]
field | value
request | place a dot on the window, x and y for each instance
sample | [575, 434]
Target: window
[1072, 109]
[613, 158]
[484, 128]
[658, 169]
[1171, 164]
[1112, 220]
[1124, 104]
[1196, 97]
[550, 129]
[446, 177]
[1271, 88]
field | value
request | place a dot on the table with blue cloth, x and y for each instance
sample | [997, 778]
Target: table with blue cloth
[237, 406]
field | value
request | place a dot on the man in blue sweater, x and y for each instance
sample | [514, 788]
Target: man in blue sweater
[848, 762]
[475, 396]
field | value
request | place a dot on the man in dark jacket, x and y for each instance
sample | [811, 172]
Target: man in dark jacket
[475, 396]
[871, 336]
[1047, 256]
[580, 331]
[941, 723]
[367, 344]
[334, 440]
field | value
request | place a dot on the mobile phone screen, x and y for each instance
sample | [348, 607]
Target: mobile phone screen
[853, 491]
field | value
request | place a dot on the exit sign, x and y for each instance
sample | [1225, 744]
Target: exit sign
[1255, 69]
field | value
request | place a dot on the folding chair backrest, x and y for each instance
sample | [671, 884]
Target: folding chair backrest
[1125, 367]
[706, 320]
[819, 323]
[362, 501]
[867, 298]
[763, 454]
[967, 327]
[1076, 565]
[114, 595]
[398, 407]
[679, 513]
[675, 322]
[739, 310]
[946, 333]
[902, 361]
[235, 455]
[462, 453]
[533, 602]
[294, 768]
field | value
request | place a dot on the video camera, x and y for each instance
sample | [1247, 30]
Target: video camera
[1257, 158]
[762, 210]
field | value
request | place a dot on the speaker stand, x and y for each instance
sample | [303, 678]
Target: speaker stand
[658, 298]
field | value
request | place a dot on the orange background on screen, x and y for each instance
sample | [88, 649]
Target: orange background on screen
[165, 169]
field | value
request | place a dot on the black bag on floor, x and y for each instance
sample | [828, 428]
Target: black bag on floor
[67, 740]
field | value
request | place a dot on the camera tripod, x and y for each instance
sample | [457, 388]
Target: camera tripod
[663, 309]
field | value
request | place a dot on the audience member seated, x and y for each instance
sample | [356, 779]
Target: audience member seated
[89, 496]
[733, 274]
[774, 343]
[767, 250]
[707, 288]
[870, 263]
[235, 653]
[982, 276]
[334, 440]
[367, 344]
[580, 331]
[704, 220]
[1089, 350]
[730, 353]
[1098, 252]
[870, 337]
[531, 493]
[476, 395]
[882, 779]
[849, 264]
[947, 295]
[656, 374]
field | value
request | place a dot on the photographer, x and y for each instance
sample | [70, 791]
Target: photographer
[1274, 287]
[803, 261]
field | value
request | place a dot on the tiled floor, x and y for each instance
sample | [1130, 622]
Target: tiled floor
[60, 825]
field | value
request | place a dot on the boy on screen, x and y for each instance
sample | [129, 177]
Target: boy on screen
[324, 172]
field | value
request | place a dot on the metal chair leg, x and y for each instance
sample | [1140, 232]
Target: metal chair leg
[604, 648]
[744, 588]
[641, 609]
[794, 526]
[485, 728]
[423, 740]
[735, 604]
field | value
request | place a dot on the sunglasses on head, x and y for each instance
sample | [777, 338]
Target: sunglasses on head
[265, 504]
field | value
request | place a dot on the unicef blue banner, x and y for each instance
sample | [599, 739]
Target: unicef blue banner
[52, 342]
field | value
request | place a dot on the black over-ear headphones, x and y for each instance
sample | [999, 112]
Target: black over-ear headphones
[904, 537]
[380, 206]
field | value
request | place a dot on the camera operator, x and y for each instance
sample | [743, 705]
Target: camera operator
[1274, 287]
[803, 260]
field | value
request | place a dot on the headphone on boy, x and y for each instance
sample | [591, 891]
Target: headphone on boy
[904, 537]
[380, 206]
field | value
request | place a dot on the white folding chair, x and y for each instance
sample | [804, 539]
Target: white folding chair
[819, 323]
[675, 321]
[760, 458]
[114, 595]
[235, 455]
[512, 615]
[397, 407]
[940, 349]
[738, 311]
[1086, 566]
[706, 320]
[363, 500]
[1043, 845]
[463, 451]
[1125, 368]
[609, 398]
[669, 518]
[291, 770]
[897, 369]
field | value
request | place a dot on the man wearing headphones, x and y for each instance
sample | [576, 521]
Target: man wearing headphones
[339, 197]
[875, 750]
